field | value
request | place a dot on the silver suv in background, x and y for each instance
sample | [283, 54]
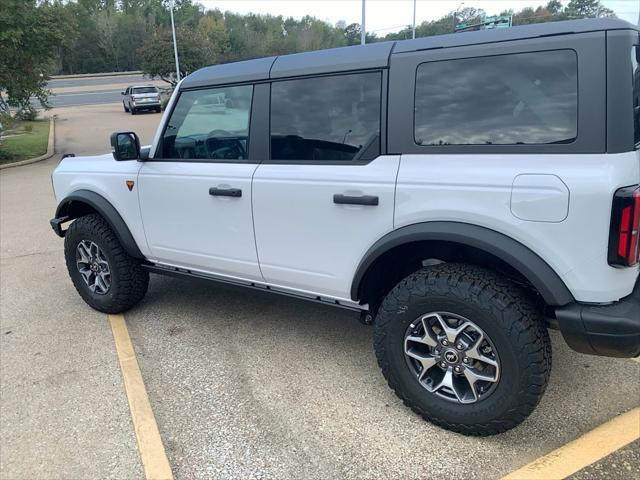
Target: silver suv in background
[139, 98]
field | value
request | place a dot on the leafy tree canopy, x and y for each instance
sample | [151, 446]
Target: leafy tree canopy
[30, 36]
[194, 51]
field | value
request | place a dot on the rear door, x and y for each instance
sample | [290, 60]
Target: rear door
[195, 195]
[326, 193]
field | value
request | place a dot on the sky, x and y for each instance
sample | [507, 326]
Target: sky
[383, 16]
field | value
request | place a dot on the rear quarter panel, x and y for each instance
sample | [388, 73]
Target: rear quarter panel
[477, 189]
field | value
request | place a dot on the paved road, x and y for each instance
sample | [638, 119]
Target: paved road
[95, 81]
[243, 384]
[75, 99]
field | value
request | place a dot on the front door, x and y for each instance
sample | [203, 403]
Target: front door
[195, 194]
[326, 194]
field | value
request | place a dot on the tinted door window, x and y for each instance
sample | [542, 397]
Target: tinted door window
[326, 118]
[210, 124]
[526, 98]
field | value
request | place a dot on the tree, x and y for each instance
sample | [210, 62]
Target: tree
[30, 35]
[106, 35]
[156, 54]
[213, 28]
[587, 9]
[554, 7]
[351, 34]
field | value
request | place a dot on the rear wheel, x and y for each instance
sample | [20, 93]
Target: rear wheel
[104, 275]
[463, 348]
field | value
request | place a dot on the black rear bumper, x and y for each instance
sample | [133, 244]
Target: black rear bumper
[610, 330]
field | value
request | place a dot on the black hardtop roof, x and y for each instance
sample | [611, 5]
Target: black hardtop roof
[515, 33]
[376, 55]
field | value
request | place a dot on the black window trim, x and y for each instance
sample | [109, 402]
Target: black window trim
[577, 124]
[635, 48]
[257, 128]
[249, 160]
[383, 119]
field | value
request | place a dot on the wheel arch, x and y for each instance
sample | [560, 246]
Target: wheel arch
[85, 202]
[514, 254]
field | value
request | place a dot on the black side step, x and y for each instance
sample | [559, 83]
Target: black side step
[186, 273]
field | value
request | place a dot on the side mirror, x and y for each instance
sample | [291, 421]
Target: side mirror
[121, 93]
[125, 146]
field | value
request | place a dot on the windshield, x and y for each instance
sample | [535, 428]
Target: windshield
[144, 90]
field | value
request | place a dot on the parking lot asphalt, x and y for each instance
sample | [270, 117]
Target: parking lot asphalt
[621, 465]
[242, 384]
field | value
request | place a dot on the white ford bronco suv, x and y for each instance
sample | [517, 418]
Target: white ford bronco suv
[464, 193]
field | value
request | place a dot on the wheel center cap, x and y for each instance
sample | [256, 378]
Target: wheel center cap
[451, 356]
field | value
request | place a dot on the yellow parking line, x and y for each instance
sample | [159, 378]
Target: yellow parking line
[154, 459]
[585, 450]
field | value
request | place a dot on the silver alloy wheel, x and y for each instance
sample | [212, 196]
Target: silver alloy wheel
[452, 357]
[93, 266]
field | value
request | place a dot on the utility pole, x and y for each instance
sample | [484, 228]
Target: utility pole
[414, 19]
[175, 45]
[455, 14]
[363, 30]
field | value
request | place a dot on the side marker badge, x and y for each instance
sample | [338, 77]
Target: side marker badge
[130, 184]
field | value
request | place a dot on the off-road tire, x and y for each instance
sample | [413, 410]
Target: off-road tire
[503, 311]
[129, 281]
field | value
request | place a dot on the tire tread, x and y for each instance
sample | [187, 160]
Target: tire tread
[509, 305]
[133, 280]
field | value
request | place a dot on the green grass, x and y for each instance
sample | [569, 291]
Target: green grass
[25, 140]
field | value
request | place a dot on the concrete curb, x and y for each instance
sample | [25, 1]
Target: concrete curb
[51, 147]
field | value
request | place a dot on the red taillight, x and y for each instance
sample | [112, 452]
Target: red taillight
[634, 241]
[624, 246]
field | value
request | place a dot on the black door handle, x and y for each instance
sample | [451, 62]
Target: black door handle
[353, 200]
[225, 192]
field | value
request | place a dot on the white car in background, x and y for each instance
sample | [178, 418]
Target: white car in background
[139, 98]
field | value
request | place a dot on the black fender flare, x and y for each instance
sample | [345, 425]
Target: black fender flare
[106, 210]
[521, 258]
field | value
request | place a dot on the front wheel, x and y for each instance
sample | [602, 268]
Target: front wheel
[104, 275]
[463, 348]
[125, 107]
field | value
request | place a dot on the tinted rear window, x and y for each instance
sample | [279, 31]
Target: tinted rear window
[525, 98]
[144, 90]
